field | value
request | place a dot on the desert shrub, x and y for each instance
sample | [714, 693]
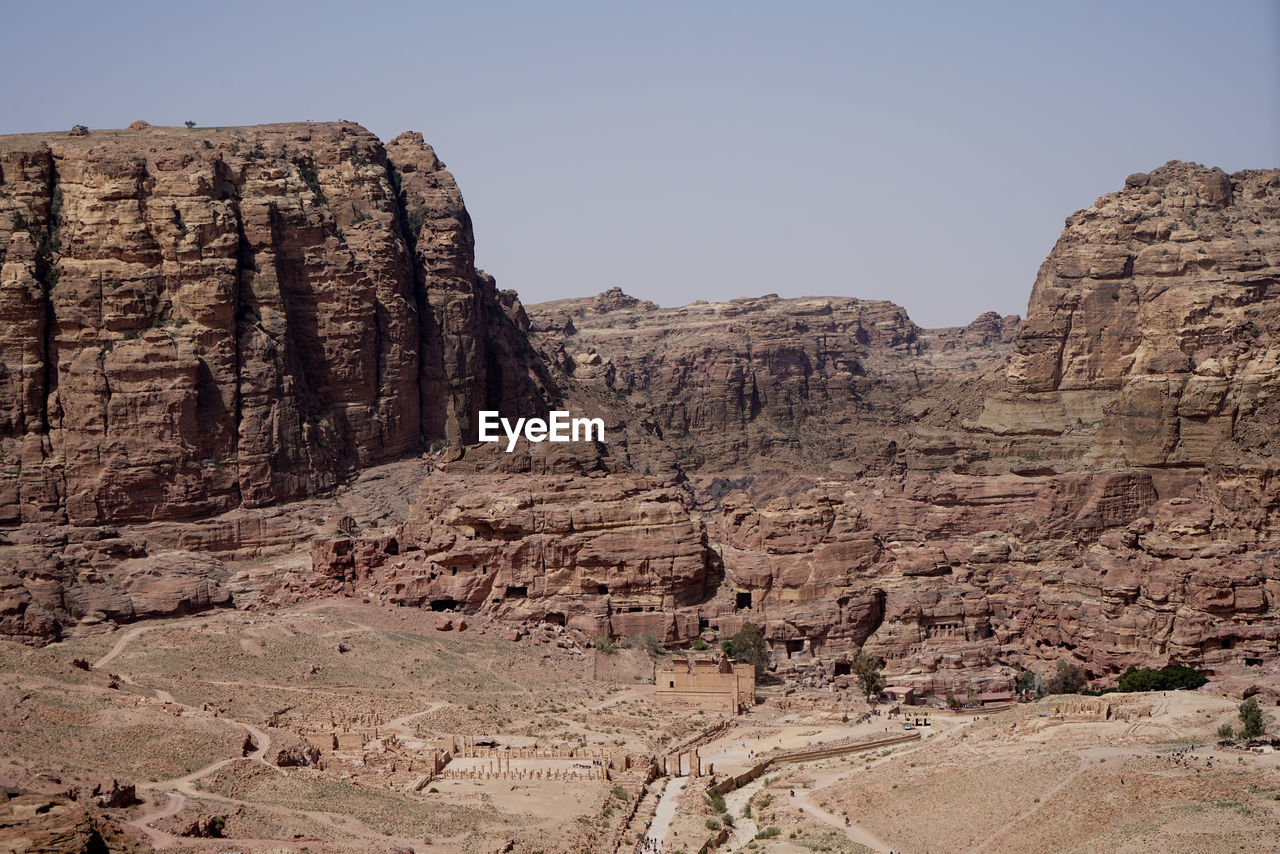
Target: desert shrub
[311, 177]
[417, 219]
[1252, 722]
[749, 645]
[1069, 678]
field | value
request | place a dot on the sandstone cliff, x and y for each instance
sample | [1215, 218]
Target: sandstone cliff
[1106, 492]
[766, 383]
[197, 320]
[201, 322]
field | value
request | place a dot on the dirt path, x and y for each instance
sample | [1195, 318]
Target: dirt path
[174, 804]
[854, 832]
[177, 789]
[400, 726]
[120, 644]
[744, 829]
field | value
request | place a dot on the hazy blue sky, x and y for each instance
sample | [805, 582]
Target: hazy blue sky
[924, 153]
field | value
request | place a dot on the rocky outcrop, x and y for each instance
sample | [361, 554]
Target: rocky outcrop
[556, 533]
[59, 825]
[199, 320]
[1106, 495]
[89, 577]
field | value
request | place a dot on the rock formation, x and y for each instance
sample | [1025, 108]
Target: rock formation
[1105, 495]
[210, 333]
[198, 320]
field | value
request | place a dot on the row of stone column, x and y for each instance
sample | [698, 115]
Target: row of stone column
[600, 773]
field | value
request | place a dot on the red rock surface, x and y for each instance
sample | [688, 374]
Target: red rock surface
[198, 320]
[198, 335]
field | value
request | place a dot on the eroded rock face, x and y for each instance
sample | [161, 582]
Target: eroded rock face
[1106, 495]
[556, 533]
[760, 383]
[59, 825]
[199, 320]
[195, 331]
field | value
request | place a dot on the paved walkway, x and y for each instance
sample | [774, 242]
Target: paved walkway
[666, 811]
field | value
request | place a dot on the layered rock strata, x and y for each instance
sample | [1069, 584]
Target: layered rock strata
[199, 320]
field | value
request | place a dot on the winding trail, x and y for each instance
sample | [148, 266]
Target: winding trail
[400, 726]
[151, 812]
[178, 791]
[119, 646]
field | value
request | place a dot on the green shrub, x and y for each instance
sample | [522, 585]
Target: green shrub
[417, 219]
[1252, 722]
[311, 177]
[768, 833]
[712, 824]
[1171, 678]
[749, 645]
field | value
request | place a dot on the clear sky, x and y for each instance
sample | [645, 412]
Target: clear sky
[923, 153]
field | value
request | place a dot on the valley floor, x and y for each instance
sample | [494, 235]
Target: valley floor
[213, 720]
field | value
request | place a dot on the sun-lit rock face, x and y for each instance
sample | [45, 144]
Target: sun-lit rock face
[198, 320]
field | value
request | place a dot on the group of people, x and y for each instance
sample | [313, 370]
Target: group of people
[1183, 757]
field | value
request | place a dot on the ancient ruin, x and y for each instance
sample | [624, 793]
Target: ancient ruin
[712, 682]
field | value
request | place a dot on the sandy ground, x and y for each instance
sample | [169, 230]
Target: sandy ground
[194, 688]
[193, 710]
